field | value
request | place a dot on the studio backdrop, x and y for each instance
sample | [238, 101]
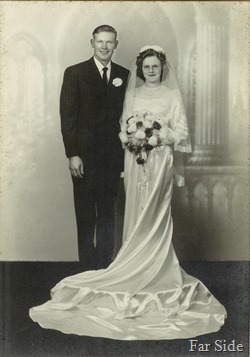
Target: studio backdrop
[207, 43]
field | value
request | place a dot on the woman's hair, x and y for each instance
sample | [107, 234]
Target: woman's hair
[151, 53]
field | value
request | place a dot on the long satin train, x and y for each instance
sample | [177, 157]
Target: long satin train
[144, 294]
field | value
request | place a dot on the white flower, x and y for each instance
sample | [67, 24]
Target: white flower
[124, 138]
[117, 82]
[163, 133]
[140, 134]
[134, 141]
[150, 117]
[153, 141]
[131, 121]
[139, 117]
[155, 132]
[132, 128]
[147, 124]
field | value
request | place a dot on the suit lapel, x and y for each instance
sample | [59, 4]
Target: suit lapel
[112, 75]
[93, 75]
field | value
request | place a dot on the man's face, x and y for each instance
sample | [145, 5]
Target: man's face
[104, 44]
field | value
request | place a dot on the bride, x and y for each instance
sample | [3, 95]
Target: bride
[144, 294]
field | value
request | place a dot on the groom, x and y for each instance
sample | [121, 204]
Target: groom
[91, 104]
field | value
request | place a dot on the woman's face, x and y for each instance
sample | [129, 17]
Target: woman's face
[151, 69]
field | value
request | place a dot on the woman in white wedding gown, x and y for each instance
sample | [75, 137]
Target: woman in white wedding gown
[144, 294]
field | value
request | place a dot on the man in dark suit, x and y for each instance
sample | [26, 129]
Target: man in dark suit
[91, 105]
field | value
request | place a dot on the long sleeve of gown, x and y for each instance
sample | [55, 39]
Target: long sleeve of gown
[178, 131]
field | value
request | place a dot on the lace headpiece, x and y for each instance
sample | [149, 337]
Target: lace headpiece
[153, 47]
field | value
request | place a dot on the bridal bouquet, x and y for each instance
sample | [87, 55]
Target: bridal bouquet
[143, 132]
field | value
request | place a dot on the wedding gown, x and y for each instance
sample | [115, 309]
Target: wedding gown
[144, 294]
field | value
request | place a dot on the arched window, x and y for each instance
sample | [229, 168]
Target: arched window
[24, 99]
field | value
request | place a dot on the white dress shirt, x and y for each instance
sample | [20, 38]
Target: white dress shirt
[100, 67]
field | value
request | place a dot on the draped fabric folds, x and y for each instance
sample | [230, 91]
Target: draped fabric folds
[144, 294]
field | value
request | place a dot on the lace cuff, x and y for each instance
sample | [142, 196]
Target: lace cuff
[179, 141]
[174, 137]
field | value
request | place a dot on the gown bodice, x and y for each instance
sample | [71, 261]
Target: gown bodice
[156, 100]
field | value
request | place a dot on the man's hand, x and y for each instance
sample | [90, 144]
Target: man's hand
[76, 166]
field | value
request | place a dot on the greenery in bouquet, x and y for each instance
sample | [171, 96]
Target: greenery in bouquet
[143, 132]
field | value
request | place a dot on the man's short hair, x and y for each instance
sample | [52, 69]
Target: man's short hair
[104, 28]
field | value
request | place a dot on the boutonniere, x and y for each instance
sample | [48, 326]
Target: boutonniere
[117, 82]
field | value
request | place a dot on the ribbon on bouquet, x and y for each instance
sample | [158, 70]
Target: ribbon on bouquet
[143, 183]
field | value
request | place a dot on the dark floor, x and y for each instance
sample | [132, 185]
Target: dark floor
[28, 284]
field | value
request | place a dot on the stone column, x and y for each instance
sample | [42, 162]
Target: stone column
[211, 129]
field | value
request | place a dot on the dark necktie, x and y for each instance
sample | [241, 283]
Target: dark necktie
[104, 76]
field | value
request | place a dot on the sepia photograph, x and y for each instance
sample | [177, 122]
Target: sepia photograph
[124, 181]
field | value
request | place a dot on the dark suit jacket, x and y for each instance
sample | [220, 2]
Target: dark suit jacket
[90, 113]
